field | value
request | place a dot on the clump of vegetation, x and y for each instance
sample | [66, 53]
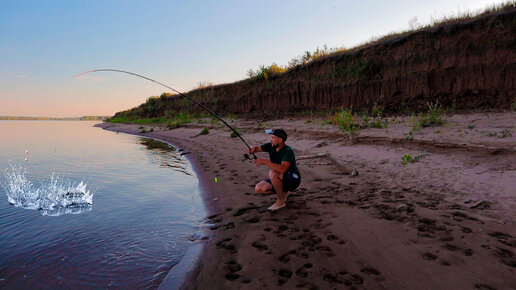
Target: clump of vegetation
[346, 120]
[142, 130]
[433, 118]
[231, 116]
[506, 133]
[205, 131]
[172, 125]
[307, 57]
[502, 134]
[375, 120]
[311, 118]
[407, 158]
[205, 84]
[377, 111]
[471, 126]
[266, 71]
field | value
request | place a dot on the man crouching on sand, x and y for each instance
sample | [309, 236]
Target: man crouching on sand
[284, 175]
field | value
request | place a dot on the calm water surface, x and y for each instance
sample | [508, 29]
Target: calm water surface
[145, 212]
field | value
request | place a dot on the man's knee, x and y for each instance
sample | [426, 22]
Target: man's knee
[262, 187]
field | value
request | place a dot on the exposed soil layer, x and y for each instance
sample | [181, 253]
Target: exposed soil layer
[469, 64]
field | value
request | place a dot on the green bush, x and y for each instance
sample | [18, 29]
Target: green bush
[204, 131]
[378, 124]
[434, 116]
[346, 121]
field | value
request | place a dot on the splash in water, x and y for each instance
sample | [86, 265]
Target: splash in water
[55, 197]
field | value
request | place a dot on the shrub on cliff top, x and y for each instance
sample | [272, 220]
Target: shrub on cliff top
[266, 71]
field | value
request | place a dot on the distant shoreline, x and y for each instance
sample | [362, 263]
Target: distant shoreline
[84, 118]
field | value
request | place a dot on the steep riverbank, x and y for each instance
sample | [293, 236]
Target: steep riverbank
[465, 64]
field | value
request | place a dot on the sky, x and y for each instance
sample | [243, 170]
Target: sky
[43, 44]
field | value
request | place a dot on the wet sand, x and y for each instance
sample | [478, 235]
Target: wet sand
[360, 217]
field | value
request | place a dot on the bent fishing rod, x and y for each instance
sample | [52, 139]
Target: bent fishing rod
[181, 94]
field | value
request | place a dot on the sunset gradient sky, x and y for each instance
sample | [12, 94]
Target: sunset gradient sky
[43, 44]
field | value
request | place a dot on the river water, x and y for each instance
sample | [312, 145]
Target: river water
[82, 207]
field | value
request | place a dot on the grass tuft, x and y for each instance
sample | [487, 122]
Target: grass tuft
[407, 158]
[205, 131]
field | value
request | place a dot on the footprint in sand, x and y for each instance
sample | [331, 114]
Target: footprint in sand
[244, 210]
[223, 244]
[253, 220]
[333, 279]
[429, 256]
[453, 248]
[224, 227]
[303, 271]
[285, 258]
[284, 276]
[459, 216]
[281, 229]
[234, 266]
[325, 250]
[259, 245]
[332, 238]
[370, 271]
[504, 238]
[505, 256]
[232, 276]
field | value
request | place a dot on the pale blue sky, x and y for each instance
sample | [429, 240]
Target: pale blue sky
[43, 44]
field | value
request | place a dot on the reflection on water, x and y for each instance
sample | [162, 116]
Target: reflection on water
[159, 149]
[152, 144]
[145, 212]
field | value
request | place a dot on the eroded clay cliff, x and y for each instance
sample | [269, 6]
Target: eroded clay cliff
[470, 64]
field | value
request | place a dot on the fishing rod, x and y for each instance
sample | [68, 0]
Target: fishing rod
[174, 90]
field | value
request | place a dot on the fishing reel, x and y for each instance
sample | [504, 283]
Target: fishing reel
[249, 156]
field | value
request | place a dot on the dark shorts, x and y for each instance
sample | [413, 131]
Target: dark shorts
[290, 183]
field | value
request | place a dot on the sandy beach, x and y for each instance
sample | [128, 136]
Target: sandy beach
[361, 218]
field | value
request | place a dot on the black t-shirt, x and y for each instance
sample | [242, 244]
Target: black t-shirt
[285, 154]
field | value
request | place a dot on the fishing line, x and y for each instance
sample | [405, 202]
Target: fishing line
[174, 90]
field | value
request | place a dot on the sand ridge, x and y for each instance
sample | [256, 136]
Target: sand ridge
[447, 221]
